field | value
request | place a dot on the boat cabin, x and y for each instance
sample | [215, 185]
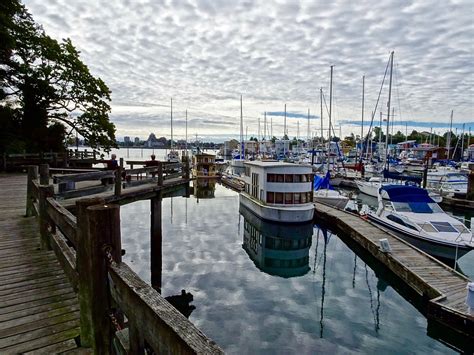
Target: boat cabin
[204, 165]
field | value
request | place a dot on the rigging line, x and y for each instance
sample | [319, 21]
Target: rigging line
[374, 112]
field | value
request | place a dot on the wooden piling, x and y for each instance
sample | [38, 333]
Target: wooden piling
[44, 193]
[44, 174]
[156, 239]
[32, 176]
[103, 232]
[160, 174]
[118, 178]
[84, 269]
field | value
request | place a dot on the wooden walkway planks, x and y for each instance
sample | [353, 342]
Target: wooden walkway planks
[39, 311]
[445, 287]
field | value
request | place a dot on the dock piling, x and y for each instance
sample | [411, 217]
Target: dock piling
[44, 193]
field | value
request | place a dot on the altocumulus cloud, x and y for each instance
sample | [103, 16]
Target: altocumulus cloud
[206, 53]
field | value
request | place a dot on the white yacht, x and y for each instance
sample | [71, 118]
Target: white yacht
[324, 193]
[415, 217]
[277, 191]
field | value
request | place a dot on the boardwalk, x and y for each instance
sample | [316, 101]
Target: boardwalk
[442, 286]
[39, 312]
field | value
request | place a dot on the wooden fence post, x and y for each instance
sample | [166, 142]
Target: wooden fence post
[44, 193]
[44, 174]
[160, 173]
[32, 176]
[118, 178]
[83, 267]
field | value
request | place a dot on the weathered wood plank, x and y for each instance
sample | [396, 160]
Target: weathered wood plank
[31, 277]
[96, 175]
[60, 296]
[55, 348]
[31, 292]
[42, 293]
[33, 286]
[161, 325]
[66, 257]
[63, 219]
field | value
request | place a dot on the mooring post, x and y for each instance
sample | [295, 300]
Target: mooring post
[118, 178]
[425, 176]
[185, 168]
[44, 193]
[84, 268]
[32, 176]
[103, 234]
[44, 174]
[160, 173]
[156, 242]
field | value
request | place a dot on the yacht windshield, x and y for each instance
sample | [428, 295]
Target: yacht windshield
[417, 207]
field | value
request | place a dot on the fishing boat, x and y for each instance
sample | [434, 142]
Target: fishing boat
[278, 191]
[413, 215]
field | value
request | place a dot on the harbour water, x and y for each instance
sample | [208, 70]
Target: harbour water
[260, 288]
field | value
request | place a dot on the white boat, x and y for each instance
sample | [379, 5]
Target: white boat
[372, 187]
[277, 191]
[324, 193]
[416, 218]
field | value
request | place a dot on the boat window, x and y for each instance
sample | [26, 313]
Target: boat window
[280, 177]
[297, 178]
[278, 197]
[444, 227]
[288, 198]
[461, 228]
[435, 208]
[427, 227]
[303, 198]
[304, 178]
[270, 197]
[401, 206]
[297, 197]
[400, 221]
[271, 178]
[288, 178]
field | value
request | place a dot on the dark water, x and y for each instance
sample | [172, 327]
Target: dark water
[260, 288]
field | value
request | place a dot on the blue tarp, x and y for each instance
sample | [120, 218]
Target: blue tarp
[401, 193]
[322, 182]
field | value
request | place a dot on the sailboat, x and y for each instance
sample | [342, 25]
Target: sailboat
[173, 155]
[237, 163]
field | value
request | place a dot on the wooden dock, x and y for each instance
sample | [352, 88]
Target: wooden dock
[39, 310]
[442, 287]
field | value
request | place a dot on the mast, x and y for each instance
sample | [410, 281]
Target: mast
[330, 113]
[309, 131]
[448, 142]
[462, 143]
[284, 125]
[321, 100]
[171, 144]
[265, 126]
[186, 144]
[388, 108]
[362, 121]
[241, 130]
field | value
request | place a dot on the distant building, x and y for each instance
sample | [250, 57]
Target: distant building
[137, 141]
[126, 140]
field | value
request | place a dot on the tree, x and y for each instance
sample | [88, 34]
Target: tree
[48, 90]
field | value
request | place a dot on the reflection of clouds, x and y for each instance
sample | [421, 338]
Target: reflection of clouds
[206, 53]
[247, 311]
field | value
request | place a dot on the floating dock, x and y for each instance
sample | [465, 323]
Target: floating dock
[442, 287]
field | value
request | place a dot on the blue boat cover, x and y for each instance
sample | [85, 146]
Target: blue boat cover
[409, 194]
[322, 182]
[398, 176]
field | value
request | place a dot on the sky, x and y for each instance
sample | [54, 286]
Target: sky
[205, 54]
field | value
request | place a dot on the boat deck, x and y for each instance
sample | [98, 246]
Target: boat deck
[443, 287]
[39, 310]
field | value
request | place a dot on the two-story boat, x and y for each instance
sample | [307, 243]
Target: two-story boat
[277, 191]
[204, 165]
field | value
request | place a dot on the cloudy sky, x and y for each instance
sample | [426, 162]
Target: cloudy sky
[206, 53]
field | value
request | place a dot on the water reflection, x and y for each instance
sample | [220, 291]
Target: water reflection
[204, 188]
[277, 249]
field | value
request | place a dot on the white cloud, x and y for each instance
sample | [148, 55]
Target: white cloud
[206, 53]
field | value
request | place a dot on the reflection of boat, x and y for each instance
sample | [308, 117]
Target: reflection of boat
[277, 249]
[415, 217]
[278, 191]
[204, 188]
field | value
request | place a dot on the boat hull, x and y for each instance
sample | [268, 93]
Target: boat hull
[294, 214]
[434, 248]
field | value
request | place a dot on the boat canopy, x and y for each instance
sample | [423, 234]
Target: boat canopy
[322, 182]
[408, 194]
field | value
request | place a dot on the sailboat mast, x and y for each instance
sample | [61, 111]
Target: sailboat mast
[309, 131]
[265, 130]
[448, 143]
[321, 100]
[284, 125]
[330, 114]
[388, 109]
[462, 143]
[362, 119]
[186, 133]
[171, 144]
[241, 130]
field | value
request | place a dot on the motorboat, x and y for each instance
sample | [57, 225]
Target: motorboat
[414, 216]
[325, 193]
[278, 191]
[450, 184]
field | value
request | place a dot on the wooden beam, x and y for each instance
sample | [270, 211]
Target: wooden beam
[32, 176]
[63, 219]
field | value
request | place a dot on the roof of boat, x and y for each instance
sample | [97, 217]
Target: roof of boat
[274, 163]
[402, 193]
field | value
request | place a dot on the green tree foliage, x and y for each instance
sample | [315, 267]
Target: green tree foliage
[47, 92]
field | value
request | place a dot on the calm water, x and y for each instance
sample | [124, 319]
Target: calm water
[305, 291]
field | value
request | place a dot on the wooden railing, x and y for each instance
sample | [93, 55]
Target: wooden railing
[119, 312]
